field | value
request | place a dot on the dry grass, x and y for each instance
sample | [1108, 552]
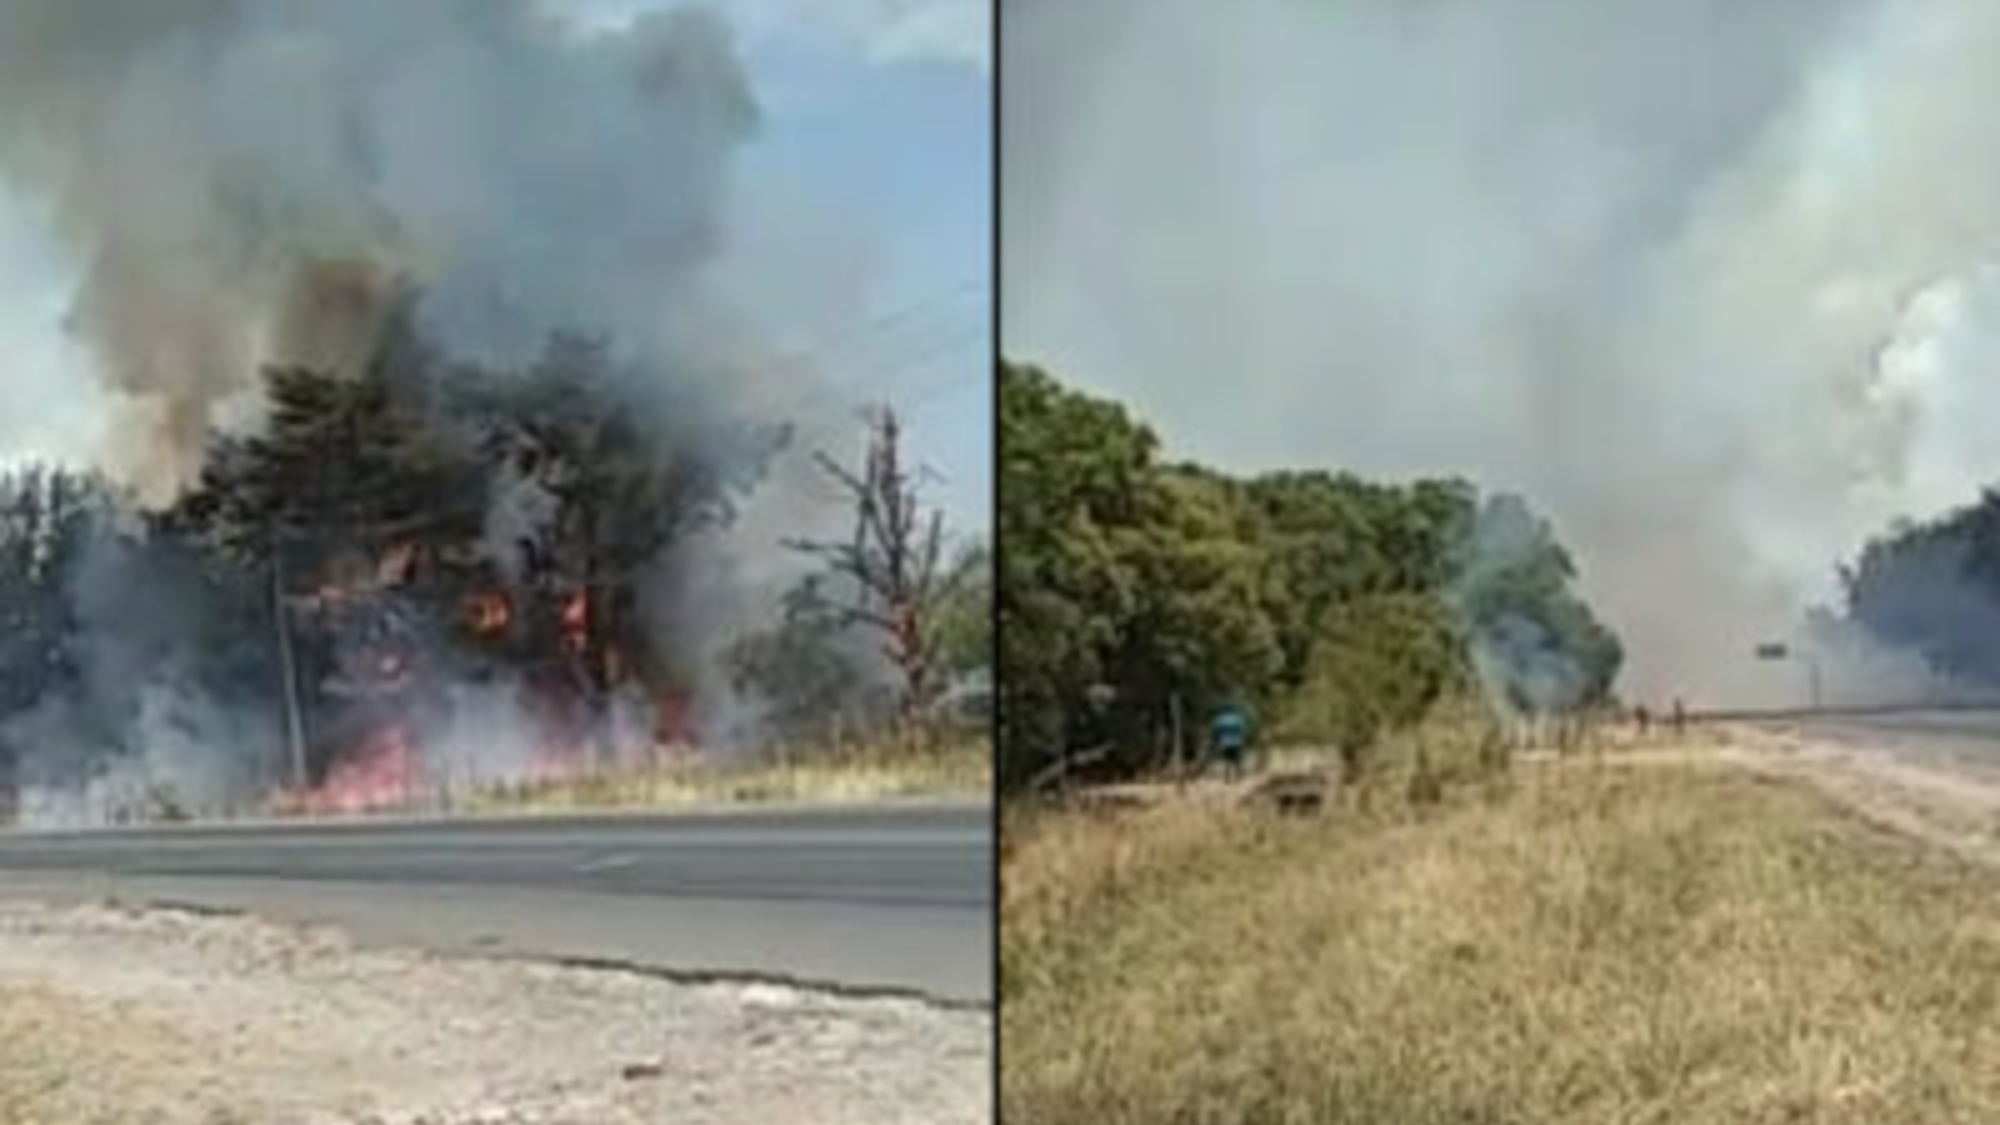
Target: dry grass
[875, 772]
[1580, 945]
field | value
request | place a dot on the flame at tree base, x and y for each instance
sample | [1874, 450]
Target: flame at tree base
[390, 770]
[381, 774]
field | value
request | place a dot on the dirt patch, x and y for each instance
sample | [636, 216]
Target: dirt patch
[165, 1018]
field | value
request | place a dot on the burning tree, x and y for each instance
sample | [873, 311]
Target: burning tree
[428, 525]
[891, 566]
[588, 491]
[358, 516]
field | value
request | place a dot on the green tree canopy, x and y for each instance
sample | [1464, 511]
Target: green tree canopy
[1137, 596]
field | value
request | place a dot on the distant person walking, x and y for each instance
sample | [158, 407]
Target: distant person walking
[1229, 732]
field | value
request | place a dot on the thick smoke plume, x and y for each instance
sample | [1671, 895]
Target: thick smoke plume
[1712, 282]
[244, 182]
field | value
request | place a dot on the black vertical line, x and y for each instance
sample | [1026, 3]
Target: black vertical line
[996, 303]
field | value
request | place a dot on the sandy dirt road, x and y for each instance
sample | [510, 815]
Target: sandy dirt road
[162, 1017]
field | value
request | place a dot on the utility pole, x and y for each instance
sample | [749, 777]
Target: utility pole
[287, 665]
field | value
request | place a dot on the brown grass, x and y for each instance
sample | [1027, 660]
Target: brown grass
[1579, 945]
[881, 771]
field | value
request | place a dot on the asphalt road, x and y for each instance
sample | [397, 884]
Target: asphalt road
[871, 899]
[1965, 741]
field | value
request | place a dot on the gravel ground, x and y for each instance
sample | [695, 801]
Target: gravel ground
[163, 1017]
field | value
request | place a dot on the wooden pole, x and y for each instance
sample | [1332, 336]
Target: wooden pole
[288, 667]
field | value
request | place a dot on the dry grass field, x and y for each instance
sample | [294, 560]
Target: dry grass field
[1581, 944]
[872, 772]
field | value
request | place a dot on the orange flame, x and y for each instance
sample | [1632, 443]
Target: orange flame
[380, 773]
[489, 614]
[576, 622]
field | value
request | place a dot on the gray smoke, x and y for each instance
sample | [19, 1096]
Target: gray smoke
[165, 716]
[1711, 282]
[242, 178]
[1526, 665]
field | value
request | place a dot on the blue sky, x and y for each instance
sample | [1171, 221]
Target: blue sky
[867, 194]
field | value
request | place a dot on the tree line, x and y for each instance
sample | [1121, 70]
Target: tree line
[1139, 594]
[1932, 587]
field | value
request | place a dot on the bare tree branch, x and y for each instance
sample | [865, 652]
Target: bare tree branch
[893, 558]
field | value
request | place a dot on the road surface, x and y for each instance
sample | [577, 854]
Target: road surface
[873, 899]
[1963, 742]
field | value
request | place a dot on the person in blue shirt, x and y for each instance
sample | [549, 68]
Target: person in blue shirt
[1229, 732]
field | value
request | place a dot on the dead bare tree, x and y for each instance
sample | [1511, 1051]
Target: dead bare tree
[892, 560]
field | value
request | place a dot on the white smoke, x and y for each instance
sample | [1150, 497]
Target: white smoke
[1708, 281]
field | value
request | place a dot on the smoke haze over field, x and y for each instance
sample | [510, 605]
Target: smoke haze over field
[1713, 284]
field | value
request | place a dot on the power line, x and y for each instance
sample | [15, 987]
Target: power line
[941, 391]
[876, 328]
[879, 324]
[883, 378]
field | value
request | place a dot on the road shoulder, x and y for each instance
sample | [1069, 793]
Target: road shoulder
[168, 1016]
[1954, 811]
